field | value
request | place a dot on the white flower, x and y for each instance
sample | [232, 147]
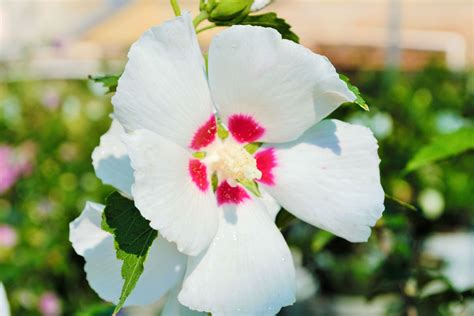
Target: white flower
[4, 306]
[264, 89]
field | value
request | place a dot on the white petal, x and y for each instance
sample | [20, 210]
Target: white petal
[330, 178]
[4, 306]
[247, 270]
[85, 232]
[166, 195]
[283, 86]
[110, 159]
[164, 87]
[174, 308]
[270, 203]
[259, 5]
[163, 269]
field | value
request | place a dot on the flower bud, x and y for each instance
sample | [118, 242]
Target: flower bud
[226, 10]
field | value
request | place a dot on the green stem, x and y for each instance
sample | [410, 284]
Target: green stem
[175, 6]
[206, 28]
[400, 202]
[202, 16]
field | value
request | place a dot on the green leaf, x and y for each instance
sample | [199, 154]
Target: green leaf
[284, 219]
[266, 20]
[320, 240]
[110, 82]
[273, 21]
[133, 238]
[252, 147]
[96, 310]
[202, 5]
[252, 186]
[359, 99]
[442, 147]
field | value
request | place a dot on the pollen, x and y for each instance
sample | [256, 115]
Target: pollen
[233, 163]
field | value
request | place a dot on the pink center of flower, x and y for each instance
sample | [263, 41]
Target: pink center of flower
[266, 161]
[198, 172]
[205, 134]
[228, 161]
[226, 194]
[244, 128]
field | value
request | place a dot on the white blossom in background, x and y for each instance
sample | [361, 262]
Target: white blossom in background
[432, 203]
[306, 285]
[197, 183]
[4, 305]
[457, 252]
[380, 123]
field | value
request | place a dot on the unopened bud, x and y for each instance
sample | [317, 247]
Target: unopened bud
[227, 10]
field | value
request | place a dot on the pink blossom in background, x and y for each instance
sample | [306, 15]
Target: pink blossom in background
[14, 163]
[50, 99]
[9, 173]
[49, 304]
[8, 236]
[25, 155]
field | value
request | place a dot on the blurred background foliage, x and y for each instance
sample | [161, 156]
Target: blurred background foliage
[51, 127]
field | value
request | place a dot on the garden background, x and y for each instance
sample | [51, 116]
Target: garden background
[412, 61]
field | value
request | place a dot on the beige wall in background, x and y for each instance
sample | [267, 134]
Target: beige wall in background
[352, 32]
